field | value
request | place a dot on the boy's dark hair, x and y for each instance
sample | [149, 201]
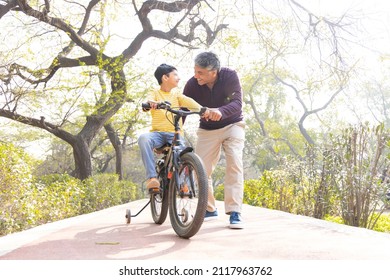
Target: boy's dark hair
[163, 69]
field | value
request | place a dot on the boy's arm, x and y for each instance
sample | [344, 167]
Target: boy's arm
[192, 105]
[188, 102]
[151, 99]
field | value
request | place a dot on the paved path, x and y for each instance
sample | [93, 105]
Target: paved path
[268, 235]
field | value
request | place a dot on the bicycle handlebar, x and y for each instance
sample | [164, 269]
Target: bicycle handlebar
[167, 106]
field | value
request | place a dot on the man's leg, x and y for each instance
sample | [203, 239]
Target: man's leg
[208, 148]
[233, 146]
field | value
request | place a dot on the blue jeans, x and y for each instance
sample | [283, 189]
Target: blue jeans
[147, 142]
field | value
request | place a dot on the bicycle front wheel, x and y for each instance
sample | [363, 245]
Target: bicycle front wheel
[188, 196]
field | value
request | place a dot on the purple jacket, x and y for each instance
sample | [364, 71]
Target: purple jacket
[225, 95]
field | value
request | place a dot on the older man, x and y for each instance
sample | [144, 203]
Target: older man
[219, 88]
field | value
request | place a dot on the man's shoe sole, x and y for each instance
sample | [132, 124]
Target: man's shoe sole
[236, 226]
[211, 218]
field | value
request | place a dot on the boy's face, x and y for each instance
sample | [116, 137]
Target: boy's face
[172, 79]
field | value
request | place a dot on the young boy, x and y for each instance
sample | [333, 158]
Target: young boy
[162, 130]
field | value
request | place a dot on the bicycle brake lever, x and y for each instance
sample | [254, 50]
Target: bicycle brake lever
[202, 110]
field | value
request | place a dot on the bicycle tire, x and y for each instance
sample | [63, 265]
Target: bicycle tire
[159, 201]
[187, 212]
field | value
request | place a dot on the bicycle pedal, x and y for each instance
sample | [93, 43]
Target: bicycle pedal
[184, 188]
[185, 194]
[154, 190]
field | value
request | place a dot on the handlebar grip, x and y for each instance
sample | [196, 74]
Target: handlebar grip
[202, 110]
[146, 107]
[162, 105]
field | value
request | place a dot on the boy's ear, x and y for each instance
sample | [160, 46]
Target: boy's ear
[165, 77]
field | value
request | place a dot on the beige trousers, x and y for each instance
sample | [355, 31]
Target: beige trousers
[208, 146]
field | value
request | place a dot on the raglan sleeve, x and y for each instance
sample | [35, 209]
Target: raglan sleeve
[188, 102]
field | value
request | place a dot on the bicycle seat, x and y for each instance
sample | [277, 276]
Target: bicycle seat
[163, 149]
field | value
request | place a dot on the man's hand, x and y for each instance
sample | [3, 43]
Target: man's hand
[212, 114]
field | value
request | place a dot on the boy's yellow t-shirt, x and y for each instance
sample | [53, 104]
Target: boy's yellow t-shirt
[163, 120]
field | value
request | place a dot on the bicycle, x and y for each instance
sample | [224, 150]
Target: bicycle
[183, 182]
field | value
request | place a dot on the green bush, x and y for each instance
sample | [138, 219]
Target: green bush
[383, 223]
[279, 190]
[62, 196]
[276, 189]
[105, 190]
[15, 188]
[218, 193]
[334, 219]
[26, 201]
[57, 197]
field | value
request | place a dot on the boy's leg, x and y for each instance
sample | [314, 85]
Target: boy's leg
[147, 142]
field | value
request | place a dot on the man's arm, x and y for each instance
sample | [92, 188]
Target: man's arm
[232, 104]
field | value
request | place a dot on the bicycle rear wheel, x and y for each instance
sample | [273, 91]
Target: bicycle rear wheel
[159, 201]
[188, 197]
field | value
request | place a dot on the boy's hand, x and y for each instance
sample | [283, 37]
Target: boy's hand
[153, 104]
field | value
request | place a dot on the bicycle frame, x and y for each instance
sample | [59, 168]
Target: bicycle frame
[177, 148]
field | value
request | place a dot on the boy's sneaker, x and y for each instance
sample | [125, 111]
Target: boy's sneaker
[236, 221]
[153, 185]
[211, 215]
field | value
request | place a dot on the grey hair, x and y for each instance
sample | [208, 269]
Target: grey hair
[208, 60]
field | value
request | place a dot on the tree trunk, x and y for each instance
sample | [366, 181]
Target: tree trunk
[116, 143]
[82, 159]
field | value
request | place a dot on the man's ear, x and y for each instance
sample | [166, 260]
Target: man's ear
[165, 77]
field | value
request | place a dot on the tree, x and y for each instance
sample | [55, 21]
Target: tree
[314, 42]
[372, 95]
[86, 48]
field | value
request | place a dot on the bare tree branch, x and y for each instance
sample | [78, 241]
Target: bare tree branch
[60, 24]
[306, 111]
[173, 34]
[8, 6]
[60, 61]
[334, 27]
[40, 123]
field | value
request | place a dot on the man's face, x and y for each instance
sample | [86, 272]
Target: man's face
[204, 76]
